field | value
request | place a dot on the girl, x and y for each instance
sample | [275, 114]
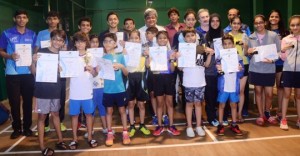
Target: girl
[262, 74]
[164, 88]
[81, 90]
[114, 90]
[137, 88]
[290, 53]
[240, 41]
[276, 24]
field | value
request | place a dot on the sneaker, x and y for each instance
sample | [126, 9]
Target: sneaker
[63, 128]
[126, 138]
[271, 120]
[298, 124]
[220, 130]
[236, 130]
[105, 131]
[158, 130]
[15, 134]
[86, 134]
[190, 132]
[278, 117]
[173, 130]
[225, 123]
[83, 125]
[200, 131]
[46, 130]
[214, 123]
[166, 120]
[109, 139]
[132, 131]
[245, 113]
[283, 124]
[154, 120]
[144, 130]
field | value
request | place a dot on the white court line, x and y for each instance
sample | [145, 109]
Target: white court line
[210, 134]
[157, 146]
[5, 130]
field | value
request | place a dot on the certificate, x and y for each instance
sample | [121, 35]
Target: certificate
[96, 52]
[187, 55]
[25, 53]
[45, 44]
[229, 60]
[266, 52]
[69, 63]
[134, 52]
[106, 70]
[46, 68]
[158, 57]
[217, 47]
[120, 37]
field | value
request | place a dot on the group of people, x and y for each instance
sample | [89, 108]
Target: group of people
[207, 82]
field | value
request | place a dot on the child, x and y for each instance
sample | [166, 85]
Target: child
[129, 25]
[81, 90]
[114, 90]
[164, 88]
[49, 102]
[194, 83]
[290, 53]
[137, 88]
[233, 96]
[98, 85]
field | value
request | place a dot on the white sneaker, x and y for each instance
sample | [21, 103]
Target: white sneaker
[105, 131]
[86, 134]
[190, 132]
[200, 131]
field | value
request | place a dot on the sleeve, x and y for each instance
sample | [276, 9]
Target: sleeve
[240, 74]
[283, 54]
[34, 38]
[248, 32]
[3, 40]
[175, 41]
[122, 60]
[37, 42]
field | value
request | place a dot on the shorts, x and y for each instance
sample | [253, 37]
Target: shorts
[262, 79]
[98, 101]
[194, 94]
[137, 87]
[111, 99]
[149, 76]
[45, 106]
[232, 97]
[86, 105]
[279, 68]
[164, 84]
[290, 79]
[246, 70]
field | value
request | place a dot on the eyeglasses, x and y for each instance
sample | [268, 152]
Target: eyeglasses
[295, 25]
[58, 40]
[259, 23]
[108, 41]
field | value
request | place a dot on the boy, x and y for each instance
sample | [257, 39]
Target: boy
[233, 94]
[129, 25]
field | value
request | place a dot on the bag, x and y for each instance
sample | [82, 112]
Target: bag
[4, 114]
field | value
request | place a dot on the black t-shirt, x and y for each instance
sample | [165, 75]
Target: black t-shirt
[45, 90]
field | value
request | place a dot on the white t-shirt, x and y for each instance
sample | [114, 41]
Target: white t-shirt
[194, 77]
[81, 87]
[142, 31]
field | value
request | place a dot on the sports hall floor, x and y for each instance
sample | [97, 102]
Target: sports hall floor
[256, 140]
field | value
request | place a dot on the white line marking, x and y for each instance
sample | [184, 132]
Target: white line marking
[5, 130]
[210, 134]
[157, 146]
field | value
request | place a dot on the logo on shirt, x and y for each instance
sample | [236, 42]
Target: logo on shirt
[14, 39]
[28, 40]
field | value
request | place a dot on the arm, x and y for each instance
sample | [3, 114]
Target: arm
[209, 52]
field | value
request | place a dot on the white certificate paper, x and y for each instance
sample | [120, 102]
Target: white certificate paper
[187, 55]
[69, 63]
[158, 57]
[266, 52]
[134, 52]
[25, 53]
[106, 70]
[217, 47]
[45, 44]
[96, 52]
[229, 60]
[46, 68]
[120, 37]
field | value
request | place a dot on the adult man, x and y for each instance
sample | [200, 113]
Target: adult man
[232, 13]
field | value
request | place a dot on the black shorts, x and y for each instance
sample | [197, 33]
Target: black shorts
[164, 84]
[111, 99]
[262, 79]
[279, 68]
[246, 69]
[149, 75]
[137, 87]
[290, 79]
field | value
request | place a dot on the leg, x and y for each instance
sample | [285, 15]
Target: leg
[169, 103]
[153, 102]
[109, 112]
[74, 127]
[62, 100]
[221, 112]
[285, 100]
[188, 113]
[268, 97]
[297, 94]
[41, 126]
[210, 96]
[13, 91]
[56, 123]
[242, 97]
[258, 99]
[123, 117]
[279, 91]
[130, 107]
[89, 123]
[142, 110]
[198, 110]
[233, 111]
[27, 87]
[160, 104]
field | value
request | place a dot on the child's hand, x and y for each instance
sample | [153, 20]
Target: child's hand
[240, 67]
[287, 47]
[266, 60]
[124, 51]
[146, 52]
[59, 68]
[89, 68]
[117, 66]
[122, 43]
[177, 55]
[219, 67]
[209, 51]
[35, 57]
[251, 51]
[173, 56]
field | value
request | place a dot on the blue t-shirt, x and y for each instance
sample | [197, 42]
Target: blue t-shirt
[43, 35]
[117, 85]
[9, 38]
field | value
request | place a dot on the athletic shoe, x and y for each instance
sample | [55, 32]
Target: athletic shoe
[144, 130]
[154, 120]
[260, 121]
[173, 130]
[132, 131]
[15, 134]
[109, 139]
[245, 113]
[166, 120]
[158, 130]
[27, 132]
[236, 130]
[214, 123]
[271, 120]
[190, 132]
[220, 130]
[86, 134]
[200, 131]
[83, 125]
[126, 139]
[283, 124]
[225, 123]
[279, 117]
[46, 130]
[62, 127]
[105, 131]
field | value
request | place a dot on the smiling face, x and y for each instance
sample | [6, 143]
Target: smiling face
[190, 20]
[85, 27]
[94, 42]
[129, 25]
[52, 21]
[259, 24]
[227, 44]
[204, 18]
[109, 44]
[232, 13]
[134, 37]
[274, 18]
[113, 21]
[21, 20]
[215, 22]
[151, 20]
[190, 37]
[236, 24]
[162, 39]
[57, 42]
[174, 17]
[295, 26]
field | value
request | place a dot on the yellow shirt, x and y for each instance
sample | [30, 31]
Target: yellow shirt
[240, 37]
[140, 68]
